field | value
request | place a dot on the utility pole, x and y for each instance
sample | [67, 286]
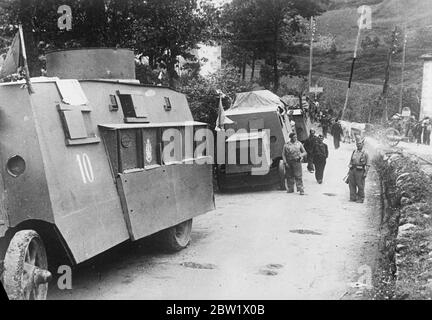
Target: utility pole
[392, 48]
[312, 33]
[364, 22]
[403, 68]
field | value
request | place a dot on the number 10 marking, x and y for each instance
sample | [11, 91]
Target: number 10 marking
[86, 168]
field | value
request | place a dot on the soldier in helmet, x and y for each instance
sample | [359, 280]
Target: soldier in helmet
[359, 167]
[320, 154]
[309, 145]
[292, 154]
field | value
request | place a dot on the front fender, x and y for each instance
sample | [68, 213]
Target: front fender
[3, 229]
[4, 225]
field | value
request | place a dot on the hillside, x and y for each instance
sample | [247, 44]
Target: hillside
[341, 23]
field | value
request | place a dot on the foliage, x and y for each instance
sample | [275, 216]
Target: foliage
[268, 34]
[363, 104]
[202, 95]
[297, 86]
[159, 29]
[145, 74]
[167, 29]
[408, 189]
[369, 43]
[370, 64]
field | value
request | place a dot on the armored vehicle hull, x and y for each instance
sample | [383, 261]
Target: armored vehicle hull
[254, 113]
[83, 169]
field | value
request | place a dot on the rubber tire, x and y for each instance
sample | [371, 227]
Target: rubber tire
[220, 186]
[14, 264]
[281, 172]
[177, 237]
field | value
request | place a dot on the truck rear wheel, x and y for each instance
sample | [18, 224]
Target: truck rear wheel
[177, 237]
[281, 172]
[26, 274]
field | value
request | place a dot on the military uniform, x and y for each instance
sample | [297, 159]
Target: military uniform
[337, 133]
[357, 175]
[320, 154]
[292, 154]
[309, 146]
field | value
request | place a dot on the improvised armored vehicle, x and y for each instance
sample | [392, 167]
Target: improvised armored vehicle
[252, 113]
[83, 168]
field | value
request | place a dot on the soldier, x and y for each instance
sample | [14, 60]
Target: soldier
[292, 154]
[336, 132]
[418, 132]
[325, 124]
[309, 145]
[426, 131]
[320, 155]
[359, 167]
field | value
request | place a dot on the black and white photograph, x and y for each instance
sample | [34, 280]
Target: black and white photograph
[216, 150]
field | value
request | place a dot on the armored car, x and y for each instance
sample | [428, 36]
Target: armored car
[83, 166]
[259, 126]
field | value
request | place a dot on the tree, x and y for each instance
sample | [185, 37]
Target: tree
[167, 29]
[266, 28]
[241, 46]
[202, 95]
[160, 29]
[280, 21]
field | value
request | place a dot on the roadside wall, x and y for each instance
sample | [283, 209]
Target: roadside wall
[406, 226]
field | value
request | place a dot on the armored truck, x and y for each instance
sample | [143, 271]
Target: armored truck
[83, 166]
[258, 119]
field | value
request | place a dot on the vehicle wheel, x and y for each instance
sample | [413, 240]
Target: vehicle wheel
[220, 184]
[221, 188]
[26, 274]
[281, 172]
[178, 237]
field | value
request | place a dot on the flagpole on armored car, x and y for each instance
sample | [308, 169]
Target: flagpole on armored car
[24, 56]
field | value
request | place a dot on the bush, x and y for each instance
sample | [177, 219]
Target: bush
[202, 93]
[364, 101]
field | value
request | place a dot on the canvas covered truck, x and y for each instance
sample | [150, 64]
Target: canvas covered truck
[83, 167]
[258, 120]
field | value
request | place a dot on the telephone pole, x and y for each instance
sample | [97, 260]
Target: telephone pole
[312, 30]
[392, 48]
[403, 68]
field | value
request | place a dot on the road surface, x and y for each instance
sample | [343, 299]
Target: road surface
[257, 245]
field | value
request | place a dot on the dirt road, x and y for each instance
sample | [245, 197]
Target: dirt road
[256, 245]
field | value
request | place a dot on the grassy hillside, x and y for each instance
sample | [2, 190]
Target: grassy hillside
[341, 23]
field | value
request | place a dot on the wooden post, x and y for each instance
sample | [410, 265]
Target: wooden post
[403, 70]
[311, 51]
[387, 75]
[351, 73]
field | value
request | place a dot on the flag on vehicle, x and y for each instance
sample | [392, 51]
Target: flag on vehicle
[220, 121]
[16, 60]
